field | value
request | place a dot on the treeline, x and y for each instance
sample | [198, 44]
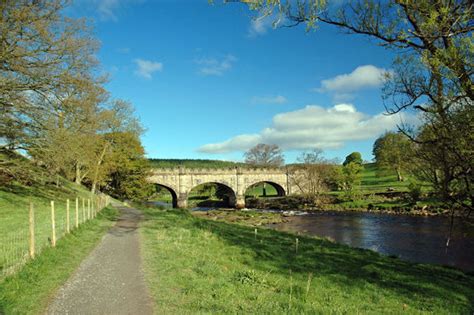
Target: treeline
[193, 163]
[54, 107]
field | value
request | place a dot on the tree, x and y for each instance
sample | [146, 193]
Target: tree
[354, 157]
[351, 174]
[47, 76]
[44, 56]
[128, 169]
[433, 74]
[313, 173]
[393, 151]
[117, 120]
[264, 155]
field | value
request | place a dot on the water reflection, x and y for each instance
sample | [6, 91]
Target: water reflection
[417, 239]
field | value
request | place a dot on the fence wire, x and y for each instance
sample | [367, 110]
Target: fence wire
[15, 243]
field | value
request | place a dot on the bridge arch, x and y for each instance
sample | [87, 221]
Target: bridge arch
[224, 190]
[172, 192]
[280, 188]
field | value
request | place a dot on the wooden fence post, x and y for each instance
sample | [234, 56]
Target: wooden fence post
[32, 232]
[53, 226]
[68, 227]
[88, 209]
[77, 213]
[83, 210]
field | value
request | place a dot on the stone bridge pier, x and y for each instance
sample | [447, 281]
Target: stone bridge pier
[180, 181]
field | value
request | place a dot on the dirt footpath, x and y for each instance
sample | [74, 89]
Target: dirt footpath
[110, 280]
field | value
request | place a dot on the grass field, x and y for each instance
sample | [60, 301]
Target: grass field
[194, 265]
[29, 290]
[374, 180]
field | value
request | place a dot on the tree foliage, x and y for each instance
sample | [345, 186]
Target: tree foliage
[394, 151]
[354, 157]
[264, 155]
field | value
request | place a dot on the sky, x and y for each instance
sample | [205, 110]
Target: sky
[209, 81]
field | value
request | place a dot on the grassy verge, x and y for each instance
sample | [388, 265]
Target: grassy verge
[194, 265]
[28, 291]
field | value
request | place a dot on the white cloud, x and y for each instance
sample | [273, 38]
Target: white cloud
[314, 127]
[215, 66]
[363, 77]
[259, 26]
[107, 9]
[145, 68]
[277, 99]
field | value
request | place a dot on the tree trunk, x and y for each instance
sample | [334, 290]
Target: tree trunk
[264, 189]
[97, 167]
[399, 175]
[78, 179]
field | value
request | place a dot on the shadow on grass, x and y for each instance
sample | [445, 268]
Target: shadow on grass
[350, 267]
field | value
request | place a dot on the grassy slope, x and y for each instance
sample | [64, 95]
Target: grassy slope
[14, 208]
[200, 266]
[29, 290]
[373, 180]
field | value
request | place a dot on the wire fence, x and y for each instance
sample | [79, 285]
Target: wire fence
[42, 229]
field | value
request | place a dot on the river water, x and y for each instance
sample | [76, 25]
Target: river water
[416, 239]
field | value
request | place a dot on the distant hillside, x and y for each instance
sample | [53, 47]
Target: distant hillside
[193, 163]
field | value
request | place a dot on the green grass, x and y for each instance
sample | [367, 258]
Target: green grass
[375, 180]
[194, 265]
[15, 198]
[29, 290]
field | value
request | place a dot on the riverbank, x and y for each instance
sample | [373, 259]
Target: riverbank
[381, 205]
[247, 217]
[194, 265]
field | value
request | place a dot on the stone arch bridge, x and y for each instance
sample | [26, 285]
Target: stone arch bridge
[180, 181]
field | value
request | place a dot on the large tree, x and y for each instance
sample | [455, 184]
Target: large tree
[433, 74]
[393, 151]
[264, 155]
[44, 57]
[313, 174]
[48, 82]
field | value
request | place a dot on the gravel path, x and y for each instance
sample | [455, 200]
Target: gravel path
[110, 279]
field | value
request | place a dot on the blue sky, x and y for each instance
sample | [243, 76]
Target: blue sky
[209, 81]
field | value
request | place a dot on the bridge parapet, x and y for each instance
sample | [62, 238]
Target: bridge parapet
[219, 171]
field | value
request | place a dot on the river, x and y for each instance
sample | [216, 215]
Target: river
[416, 239]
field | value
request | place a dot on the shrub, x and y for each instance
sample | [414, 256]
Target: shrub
[414, 192]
